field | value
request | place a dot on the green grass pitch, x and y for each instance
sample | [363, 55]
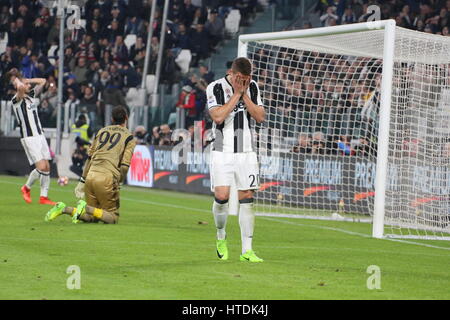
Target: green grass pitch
[160, 251]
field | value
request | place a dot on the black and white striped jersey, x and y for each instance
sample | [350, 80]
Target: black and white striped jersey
[26, 112]
[235, 133]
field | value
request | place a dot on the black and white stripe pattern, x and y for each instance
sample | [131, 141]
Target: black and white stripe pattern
[234, 135]
[26, 113]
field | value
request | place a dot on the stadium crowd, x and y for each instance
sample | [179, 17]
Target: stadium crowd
[431, 16]
[99, 68]
[330, 103]
[334, 115]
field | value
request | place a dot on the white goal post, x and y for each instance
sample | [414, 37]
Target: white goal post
[362, 112]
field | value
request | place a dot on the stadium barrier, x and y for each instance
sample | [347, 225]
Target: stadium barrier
[14, 160]
[324, 182]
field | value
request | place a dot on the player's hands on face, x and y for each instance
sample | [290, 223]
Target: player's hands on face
[79, 190]
[241, 83]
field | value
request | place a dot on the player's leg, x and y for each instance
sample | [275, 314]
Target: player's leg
[59, 209]
[27, 144]
[102, 200]
[220, 210]
[247, 181]
[222, 173]
[43, 168]
[26, 189]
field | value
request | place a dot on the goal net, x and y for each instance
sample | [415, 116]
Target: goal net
[357, 126]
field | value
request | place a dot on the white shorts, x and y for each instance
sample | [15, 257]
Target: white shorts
[242, 167]
[36, 148]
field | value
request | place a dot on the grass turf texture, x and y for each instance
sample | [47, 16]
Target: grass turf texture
[160, 251]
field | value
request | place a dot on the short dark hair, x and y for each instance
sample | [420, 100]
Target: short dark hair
[12, 73]
[242, 65]
[119, 115]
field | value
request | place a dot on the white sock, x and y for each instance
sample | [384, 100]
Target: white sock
[45, 183]
[34, 175]
[220, 211]
[247, 223]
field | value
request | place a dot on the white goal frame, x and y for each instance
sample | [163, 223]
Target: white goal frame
[389, 27]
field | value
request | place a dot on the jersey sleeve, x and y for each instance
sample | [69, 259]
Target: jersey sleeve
[93, 147]
[255, 93]
[213, 95]
[130, 144]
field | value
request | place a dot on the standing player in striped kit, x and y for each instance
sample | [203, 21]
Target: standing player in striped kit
[33, 139]
[232, 102]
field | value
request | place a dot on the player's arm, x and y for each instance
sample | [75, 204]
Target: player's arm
[87, 165]
[38, 82]
[79, 189]
[130, 144]
[256, 110]
[218, 115]
[21, 88]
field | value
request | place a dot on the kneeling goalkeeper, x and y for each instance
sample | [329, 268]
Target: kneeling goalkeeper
[107, 166]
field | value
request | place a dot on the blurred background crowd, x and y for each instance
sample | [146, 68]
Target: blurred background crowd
[100, 66]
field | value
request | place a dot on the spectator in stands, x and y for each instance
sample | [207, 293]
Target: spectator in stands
[215, 27]
[90, 105]
[131, 78]
[170, 70]
[176, 12]
[344, 146]
[95, 31]
[112, 31]
[5, 17]
[199, 44]
[140, 135]
[50, 92]
[91, 53]
[155, 137]
[6, 61]
[83, 133]
[135, 48]
[46, 114]
[30, 66]
[71, 86]
[186, 101]
[120, 50]
[303, 145]
[319, 143]
[134, 26]
[182, 39]
[364, 148]
[205, 74]
[189, 12]
[165, 135]
[80, 71]
[348, 16]
[329, 18]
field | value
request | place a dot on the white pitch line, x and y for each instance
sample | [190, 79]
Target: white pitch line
[266, 218]
[355, 233]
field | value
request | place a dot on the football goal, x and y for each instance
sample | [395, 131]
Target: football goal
[357, 126]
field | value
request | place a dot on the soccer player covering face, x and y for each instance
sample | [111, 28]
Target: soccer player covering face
[232, 102]
[33, 140]
[107, 166]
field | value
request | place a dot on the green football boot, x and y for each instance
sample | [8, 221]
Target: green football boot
[222, 249]
[250, 256]
[55, 212]
[81, 209]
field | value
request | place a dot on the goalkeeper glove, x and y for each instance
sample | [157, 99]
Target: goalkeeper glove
[79, 190]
